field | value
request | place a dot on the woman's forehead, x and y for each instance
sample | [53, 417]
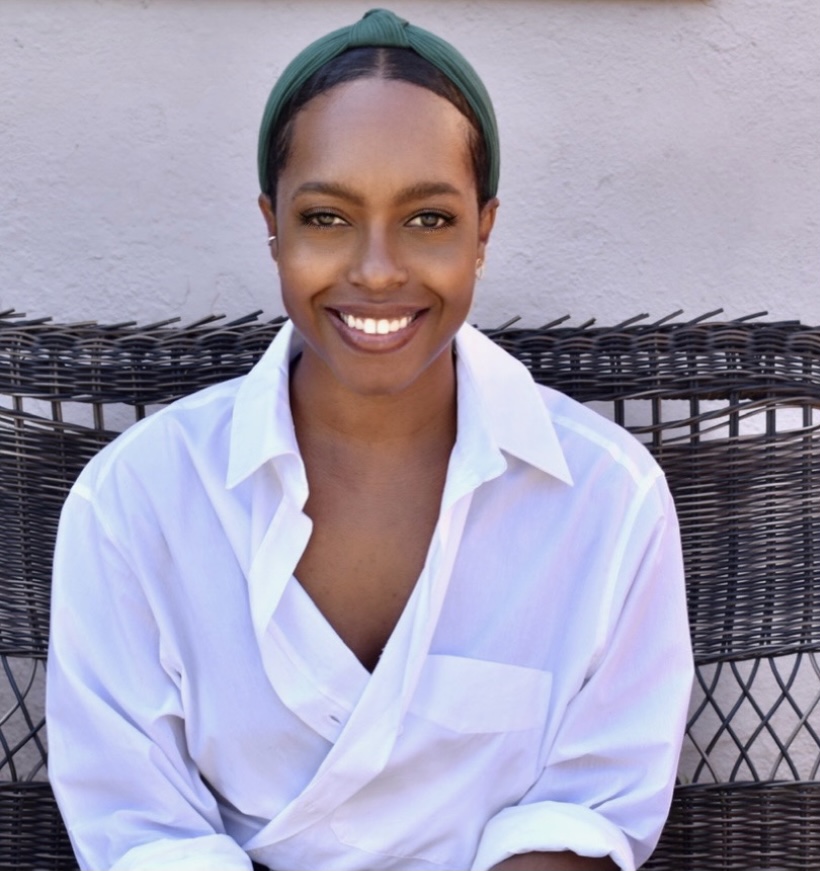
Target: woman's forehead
[368, 127]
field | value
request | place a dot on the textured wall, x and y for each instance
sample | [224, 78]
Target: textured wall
[657, 154]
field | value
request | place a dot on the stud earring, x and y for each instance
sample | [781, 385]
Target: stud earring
[271, 240]
[479, 269]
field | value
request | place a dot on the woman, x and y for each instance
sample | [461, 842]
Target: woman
[384, 603]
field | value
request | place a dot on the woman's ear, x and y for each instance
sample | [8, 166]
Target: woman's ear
[269, 214]
[486, 220]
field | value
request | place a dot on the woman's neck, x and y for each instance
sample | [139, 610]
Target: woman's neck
[419, 419]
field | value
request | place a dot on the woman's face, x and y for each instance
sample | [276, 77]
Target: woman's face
[378, 233]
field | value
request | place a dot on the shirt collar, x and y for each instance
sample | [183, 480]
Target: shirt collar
[262, 424]
[500, 409]
[512, 406]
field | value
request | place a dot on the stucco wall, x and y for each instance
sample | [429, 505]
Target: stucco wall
[657, 154]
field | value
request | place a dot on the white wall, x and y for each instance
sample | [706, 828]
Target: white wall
[657, 154]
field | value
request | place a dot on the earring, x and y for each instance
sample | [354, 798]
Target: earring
[479, 269]
[271, 240]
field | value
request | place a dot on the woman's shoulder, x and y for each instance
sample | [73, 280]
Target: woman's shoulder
[588, 437]
[152, 447]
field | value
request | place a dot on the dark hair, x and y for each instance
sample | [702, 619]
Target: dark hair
[398, 64]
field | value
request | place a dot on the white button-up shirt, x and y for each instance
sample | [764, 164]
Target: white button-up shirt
[202, 712]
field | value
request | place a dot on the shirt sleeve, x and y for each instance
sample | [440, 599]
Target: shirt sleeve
[610, 769]
[130, 795]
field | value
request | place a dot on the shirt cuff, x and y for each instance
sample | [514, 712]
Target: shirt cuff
[548, 826]
[207, 853]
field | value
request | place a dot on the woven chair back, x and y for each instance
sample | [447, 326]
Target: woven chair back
[730, 410]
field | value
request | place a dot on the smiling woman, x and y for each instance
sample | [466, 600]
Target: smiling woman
[383, 603]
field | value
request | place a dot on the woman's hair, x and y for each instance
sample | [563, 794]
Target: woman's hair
[395, 64]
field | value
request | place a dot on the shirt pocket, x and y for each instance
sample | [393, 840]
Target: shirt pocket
[473, 696]
[469, 746]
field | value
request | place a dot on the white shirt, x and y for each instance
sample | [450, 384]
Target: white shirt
[533, 695]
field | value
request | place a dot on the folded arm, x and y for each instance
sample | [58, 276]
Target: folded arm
[554, 862]
[128, 790]
[610, 767]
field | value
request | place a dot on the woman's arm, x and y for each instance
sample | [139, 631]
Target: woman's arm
[610, 769]
[130, 795]
[555, 862]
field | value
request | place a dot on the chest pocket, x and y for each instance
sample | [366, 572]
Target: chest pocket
[469, 747]
[476, 696]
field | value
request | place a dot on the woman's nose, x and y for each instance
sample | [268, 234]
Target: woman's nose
[376, 266]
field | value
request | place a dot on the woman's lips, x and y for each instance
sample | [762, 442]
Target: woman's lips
[377, 333]
[376, 326]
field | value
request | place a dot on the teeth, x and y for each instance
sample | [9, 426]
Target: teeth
[374, 326]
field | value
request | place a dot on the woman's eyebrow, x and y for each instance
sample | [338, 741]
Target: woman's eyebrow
[425, 189]
[329, 188]
[409, 194]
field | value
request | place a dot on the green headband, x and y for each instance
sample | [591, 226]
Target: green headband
[381, 28]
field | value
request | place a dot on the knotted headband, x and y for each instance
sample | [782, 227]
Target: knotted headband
[380, 28]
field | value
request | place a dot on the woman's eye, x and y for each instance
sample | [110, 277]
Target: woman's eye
[431, 221]
[323, 219]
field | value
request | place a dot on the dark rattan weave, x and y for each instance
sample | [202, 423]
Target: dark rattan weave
[730, 411]
[32, 835]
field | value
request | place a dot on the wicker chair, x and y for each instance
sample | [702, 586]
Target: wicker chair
[729, 410]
